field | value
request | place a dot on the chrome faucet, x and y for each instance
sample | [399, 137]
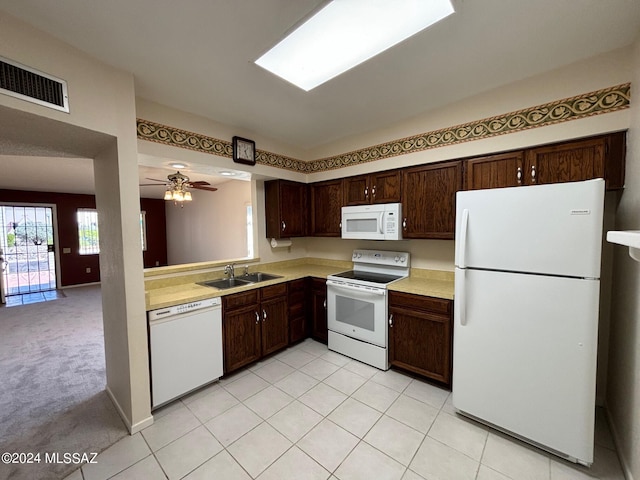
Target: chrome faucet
[229, 270]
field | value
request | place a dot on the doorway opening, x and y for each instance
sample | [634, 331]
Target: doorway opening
[27, 249]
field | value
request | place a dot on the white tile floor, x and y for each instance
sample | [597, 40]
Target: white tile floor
[307, 413]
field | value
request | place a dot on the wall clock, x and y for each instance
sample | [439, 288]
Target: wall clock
[244, 150]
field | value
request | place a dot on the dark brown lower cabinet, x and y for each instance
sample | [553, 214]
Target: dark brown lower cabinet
[241, 329]
[297, 292]
[421, 335]
[254, 324]
[318, 293]
[275, 318]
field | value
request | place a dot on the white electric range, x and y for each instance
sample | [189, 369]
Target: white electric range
[357, 305]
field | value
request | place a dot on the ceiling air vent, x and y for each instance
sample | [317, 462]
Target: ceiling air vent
[31, 85]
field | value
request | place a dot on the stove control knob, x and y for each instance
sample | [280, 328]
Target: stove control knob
[397, 259]
[355, 255]
[359, 255]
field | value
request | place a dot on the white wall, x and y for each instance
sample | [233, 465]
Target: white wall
[193, 123]
[602, 71]
[429, 254]
[211, 227]
[623, 395]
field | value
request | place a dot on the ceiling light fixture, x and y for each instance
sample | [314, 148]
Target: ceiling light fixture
[344, 34]
[177, 189]
[178, 165]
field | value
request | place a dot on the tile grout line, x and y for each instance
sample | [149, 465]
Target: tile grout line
[367, 380]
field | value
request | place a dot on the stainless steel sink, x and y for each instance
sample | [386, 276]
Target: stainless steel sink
[223, 283]
[259, 277]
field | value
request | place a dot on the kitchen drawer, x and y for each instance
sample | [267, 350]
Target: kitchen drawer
[297, 291]
[430, 304]
[273, 291]
[239, 300]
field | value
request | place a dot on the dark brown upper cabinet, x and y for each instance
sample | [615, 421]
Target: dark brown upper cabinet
[574, 161]
[429, 200]
[598, 157]
[285, 209]
[380, 187]
[495, 171]
[326, 208]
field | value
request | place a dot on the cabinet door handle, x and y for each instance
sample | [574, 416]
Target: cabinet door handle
[257, 318]
[404, 223]
[373, 191]
[264, 314]
[391, 320]
[366, 192]
[519, 175]
[533, 174]
[325, 303]
[284, 226]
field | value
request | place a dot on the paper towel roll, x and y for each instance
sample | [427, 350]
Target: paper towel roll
[280, 243]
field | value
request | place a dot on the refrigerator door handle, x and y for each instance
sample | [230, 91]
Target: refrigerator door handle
[462, 244]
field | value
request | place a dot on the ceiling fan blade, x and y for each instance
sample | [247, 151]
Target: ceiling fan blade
[198, 187]
[156, 180]
[152, 185]
[199, 182]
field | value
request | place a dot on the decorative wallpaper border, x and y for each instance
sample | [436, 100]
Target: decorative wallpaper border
[156, 132]
[588, 104]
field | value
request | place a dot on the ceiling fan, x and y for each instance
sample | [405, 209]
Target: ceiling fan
[178, 185]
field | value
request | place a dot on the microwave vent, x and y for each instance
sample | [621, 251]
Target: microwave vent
[32, 85]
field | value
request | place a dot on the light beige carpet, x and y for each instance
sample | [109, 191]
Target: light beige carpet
[52, 383]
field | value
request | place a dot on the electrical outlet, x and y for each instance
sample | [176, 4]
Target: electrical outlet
[88, 270]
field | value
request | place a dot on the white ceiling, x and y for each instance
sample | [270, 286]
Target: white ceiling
[75, 175]
[197, 56]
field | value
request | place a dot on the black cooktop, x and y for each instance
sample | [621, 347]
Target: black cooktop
[380, 278]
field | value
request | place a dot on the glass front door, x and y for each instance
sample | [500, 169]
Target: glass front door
[27, 243]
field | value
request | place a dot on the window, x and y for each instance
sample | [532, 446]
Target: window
[88, 231]
[249, 231]
[143, 230]
[88, 237]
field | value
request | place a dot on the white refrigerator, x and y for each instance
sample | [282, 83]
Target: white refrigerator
[527, 286]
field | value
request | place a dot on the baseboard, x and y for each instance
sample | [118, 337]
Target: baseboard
[78, 285]
[141, 425]
[124, 418]
[626, 468]
[133, 428]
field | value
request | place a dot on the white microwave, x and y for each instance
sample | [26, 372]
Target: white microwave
[372, 222]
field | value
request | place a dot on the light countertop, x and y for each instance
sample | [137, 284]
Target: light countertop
[430, 283]
[184, 289]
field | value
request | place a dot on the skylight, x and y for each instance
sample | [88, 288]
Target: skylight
[346, 33]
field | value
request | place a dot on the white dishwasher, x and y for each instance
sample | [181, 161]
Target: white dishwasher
[186, 348]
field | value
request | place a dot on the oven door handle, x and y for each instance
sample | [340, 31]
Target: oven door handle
[342, 286]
